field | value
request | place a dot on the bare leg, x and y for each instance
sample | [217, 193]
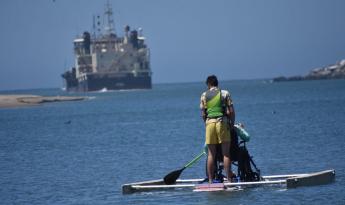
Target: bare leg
[226, 159]
[210, 161]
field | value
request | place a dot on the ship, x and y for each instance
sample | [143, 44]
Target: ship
[106, 61]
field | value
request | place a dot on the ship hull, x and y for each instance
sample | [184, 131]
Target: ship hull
[96, 82]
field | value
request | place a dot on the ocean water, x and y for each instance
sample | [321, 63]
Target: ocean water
[82, 152]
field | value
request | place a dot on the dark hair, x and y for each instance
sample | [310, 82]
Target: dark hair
[212, 80]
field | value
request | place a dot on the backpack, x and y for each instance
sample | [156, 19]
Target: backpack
[244, 166]
[234, 146]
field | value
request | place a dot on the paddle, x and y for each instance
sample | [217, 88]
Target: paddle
[174, 175]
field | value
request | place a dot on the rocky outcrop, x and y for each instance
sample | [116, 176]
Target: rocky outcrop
[336, 71]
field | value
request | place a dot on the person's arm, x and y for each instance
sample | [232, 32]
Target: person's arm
[203, 108]
[230, 111]
[203, 115]
[231, 115]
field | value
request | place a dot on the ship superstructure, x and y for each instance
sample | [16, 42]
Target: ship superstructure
[104, 60]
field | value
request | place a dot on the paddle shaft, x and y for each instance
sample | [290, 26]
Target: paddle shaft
[197, 158]
[173, 176]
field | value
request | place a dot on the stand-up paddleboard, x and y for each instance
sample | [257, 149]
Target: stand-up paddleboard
[289, 181]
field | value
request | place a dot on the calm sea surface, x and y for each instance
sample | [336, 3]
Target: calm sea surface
[127, 136]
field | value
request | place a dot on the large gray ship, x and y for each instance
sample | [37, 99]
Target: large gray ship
[105, 61]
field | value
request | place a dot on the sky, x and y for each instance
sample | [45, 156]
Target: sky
[188, 39]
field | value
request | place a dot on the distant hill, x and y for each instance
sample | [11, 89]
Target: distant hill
[336, 71]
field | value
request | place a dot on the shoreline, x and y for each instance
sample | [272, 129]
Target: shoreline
[15, 101]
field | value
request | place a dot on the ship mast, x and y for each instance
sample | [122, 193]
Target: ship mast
[109, 27]
[94, 27]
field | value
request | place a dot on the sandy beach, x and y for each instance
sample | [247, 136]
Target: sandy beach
[12, 101]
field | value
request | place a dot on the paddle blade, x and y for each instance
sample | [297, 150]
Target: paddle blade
[172, 176]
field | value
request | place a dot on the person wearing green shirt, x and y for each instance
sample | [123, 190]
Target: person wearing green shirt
[219, 116]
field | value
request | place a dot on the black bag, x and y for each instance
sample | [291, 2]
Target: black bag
[244, 169]
[234, 147]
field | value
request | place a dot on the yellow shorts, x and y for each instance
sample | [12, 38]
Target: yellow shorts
[217, 132]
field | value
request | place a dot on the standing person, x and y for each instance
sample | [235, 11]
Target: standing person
[219, 116]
